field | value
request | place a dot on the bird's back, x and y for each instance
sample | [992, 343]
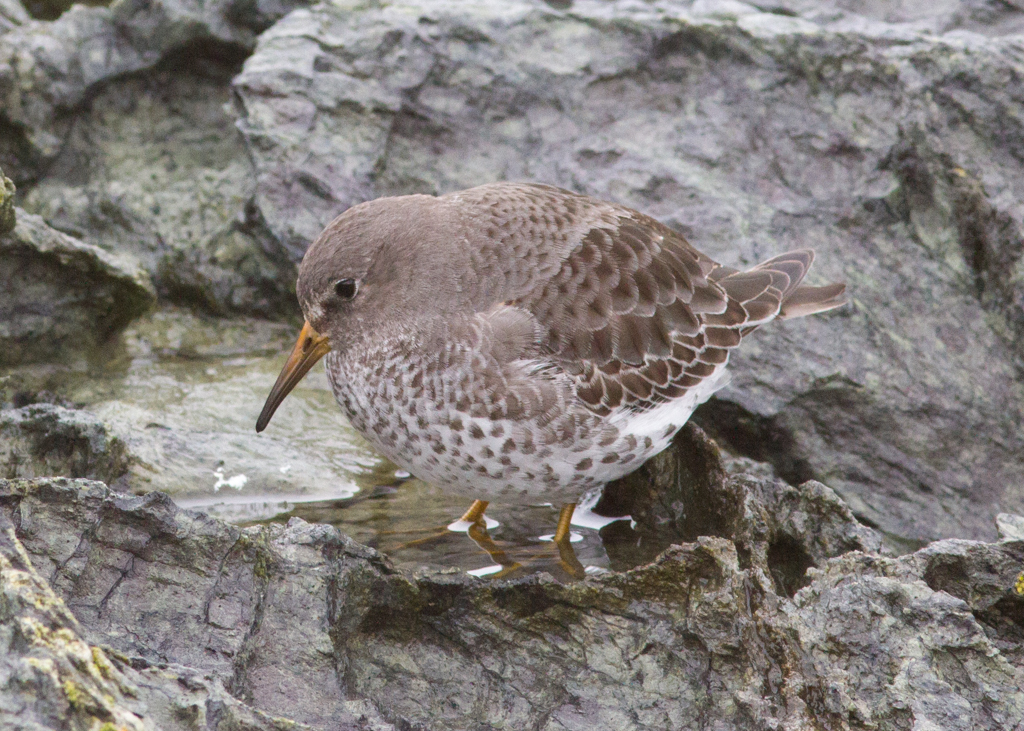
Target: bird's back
[633, 313]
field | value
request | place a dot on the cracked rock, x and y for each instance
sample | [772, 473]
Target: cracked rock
[298, 621]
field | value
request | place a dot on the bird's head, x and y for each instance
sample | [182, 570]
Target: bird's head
[380, 263]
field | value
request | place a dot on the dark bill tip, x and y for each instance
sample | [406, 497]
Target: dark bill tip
[309, 348]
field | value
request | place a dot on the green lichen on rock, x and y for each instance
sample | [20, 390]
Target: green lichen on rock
[6, 204]
[52, 677]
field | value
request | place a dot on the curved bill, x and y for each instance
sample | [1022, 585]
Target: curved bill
[310, 347]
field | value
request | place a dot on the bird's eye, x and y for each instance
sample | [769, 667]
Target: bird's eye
[346, 288]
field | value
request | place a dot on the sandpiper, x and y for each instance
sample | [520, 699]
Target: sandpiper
[521, 342]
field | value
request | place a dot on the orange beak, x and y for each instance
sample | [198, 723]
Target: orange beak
[309, 348]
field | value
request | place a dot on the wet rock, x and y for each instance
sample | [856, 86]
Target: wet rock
[888, 145]
[44, 439]
[687, 492]
[6, 204]
[297, 620]
[63, 297]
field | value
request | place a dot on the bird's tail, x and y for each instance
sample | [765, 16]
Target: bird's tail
[803, 299]
[776, 285]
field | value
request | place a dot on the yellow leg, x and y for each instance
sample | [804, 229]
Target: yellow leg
[475, 514]
[562, 539]
[564, 521]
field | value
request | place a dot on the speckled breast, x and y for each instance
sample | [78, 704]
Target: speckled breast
[421, 420]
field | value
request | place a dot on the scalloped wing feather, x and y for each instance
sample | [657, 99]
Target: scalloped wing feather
[624, 304]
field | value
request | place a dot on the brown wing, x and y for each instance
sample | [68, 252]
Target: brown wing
[752, 298]
[625, 304]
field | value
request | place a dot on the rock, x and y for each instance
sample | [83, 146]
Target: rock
[53, 679]
[119, 114]
[838, 608]
[890, 147]
[155, 167]
[48, 69]
[44, 439]
[6, 205]
[686, 492]
[50, 677]
[12, 13]
[1010, 527]
[298, 621]
[63, 297]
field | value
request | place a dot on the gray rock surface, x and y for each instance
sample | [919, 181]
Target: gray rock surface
[53, 679]
[49, 68]
[154, 166]
[50, 677]
[12, 13]
[7, 217]
[885, 135]
[687, 492]
[1010, 527]
[299, 621]
[118, 114]
[201, 147]
[891, 147]
[63, 297]
[45, 439]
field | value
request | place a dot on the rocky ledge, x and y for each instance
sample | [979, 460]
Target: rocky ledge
[185, 154]
[63, 297]
[788, 617]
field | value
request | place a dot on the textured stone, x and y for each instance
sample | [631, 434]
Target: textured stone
[1010, 527]
[153, 166]
[120, 114]
[50, 677]
[299, 621]
[53, 679]
[687, 492]
[49, 68]
[889, 147]
[7, 217]
[63, 297]
[44, 439]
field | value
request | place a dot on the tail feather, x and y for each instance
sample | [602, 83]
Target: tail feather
[808, 300]
[773, 289]
[794, 264]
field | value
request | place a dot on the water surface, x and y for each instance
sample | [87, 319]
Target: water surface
[184, 392]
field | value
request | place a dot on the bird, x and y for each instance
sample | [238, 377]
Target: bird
[521, 342]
